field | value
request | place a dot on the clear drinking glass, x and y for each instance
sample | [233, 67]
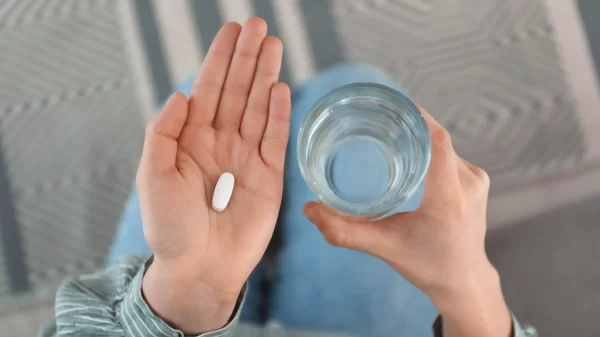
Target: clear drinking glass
[364, 149]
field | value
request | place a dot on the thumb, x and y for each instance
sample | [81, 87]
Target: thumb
[160, 144]
[345, 231]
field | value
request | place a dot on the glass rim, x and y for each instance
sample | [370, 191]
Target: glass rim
[389, 95]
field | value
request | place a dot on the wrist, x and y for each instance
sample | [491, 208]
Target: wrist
[468, 283]
[185, 303]
[475, 307]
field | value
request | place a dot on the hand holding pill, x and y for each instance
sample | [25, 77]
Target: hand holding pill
[232, 130]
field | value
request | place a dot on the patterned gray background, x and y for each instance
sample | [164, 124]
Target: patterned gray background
[489, 70]
[79, 78]
[71, 131]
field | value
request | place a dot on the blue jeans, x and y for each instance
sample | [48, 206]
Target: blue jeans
[317, 286]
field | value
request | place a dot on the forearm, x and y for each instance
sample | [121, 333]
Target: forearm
[476, 309]
[188, 306]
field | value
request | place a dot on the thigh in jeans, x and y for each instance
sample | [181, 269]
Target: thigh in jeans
[322, 287]
[130, 240]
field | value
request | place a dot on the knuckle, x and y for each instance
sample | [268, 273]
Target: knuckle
[441, 139]
[484, 176]
[481, 185]
[245, 55]
[335, 236]
[151, 127]
[257, 107]
[266, 73]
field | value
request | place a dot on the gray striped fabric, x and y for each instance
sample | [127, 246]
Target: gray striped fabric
[109, 303]
[79, 79]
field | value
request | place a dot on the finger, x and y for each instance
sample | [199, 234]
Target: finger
[206, 91]
[254, 119]
[275, 138]
[443, 157]
[160, 144]
[440, 138]
[240, 75]
[343, 231]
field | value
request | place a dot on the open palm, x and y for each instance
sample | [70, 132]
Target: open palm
[235, 120]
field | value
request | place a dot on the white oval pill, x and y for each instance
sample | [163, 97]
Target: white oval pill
[223, 191]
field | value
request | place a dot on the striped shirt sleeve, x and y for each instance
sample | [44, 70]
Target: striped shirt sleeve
[110, 303]
[518, 329]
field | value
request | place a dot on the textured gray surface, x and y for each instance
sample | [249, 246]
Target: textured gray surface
[489, 70]
[551, 271]
[590, 12]
[70, 132]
